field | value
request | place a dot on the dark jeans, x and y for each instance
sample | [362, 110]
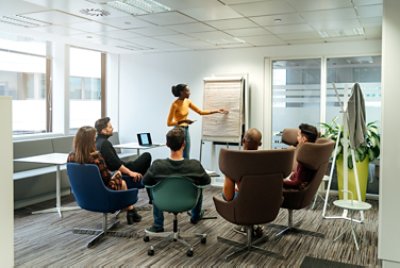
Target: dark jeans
[140, 165]
[158, 215]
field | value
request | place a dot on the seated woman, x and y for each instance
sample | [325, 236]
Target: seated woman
[300, 175]
[84, 146]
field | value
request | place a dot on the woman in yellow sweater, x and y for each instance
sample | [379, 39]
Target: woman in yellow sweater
[179, 111]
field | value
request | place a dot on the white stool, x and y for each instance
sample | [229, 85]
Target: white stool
[352, 206]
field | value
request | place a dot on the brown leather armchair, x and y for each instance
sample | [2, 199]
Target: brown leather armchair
[260, 195]
[315, 157]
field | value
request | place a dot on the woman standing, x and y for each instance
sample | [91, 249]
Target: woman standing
[84, 146]
[179, 111]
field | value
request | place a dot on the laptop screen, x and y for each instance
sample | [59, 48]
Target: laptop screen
[144, 139]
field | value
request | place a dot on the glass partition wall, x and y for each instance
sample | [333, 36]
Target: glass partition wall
[297, 90]
[343, 73]
[296, 94]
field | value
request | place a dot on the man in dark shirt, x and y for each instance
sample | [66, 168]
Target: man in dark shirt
[174, 166]
[134, 169]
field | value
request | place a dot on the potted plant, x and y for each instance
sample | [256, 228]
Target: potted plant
[364, 154]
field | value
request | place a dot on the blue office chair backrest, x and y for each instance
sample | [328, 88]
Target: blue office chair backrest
[91, 193]
[175, 194]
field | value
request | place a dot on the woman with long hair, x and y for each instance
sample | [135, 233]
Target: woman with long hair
[84, 152]
[179, 111]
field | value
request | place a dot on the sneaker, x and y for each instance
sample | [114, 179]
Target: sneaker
[240, 229]
[257, 231]
[132, 216]
[154, 229]
[195, 221]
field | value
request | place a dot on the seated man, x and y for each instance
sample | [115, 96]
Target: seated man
[176, 165]
[299, 177]
[251, 141]
[134, 169]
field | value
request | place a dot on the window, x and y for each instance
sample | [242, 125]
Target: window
[23, 76]
[343, 73]
[296, 87]
[85, 87]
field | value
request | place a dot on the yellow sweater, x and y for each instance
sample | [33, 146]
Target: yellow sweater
[180, 110]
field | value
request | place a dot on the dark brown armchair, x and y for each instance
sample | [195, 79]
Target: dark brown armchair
[260, 195]
[315, 157]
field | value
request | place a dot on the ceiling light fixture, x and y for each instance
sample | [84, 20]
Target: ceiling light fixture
[139, 7]
[94, 12]
[22, 21]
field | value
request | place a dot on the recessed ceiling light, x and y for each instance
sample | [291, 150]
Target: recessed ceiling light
[22, 21]
[138, 7]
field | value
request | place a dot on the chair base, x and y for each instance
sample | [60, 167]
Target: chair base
[290, 228]
[101, 233]
[251, 245]
[174, 236]
[294, 230]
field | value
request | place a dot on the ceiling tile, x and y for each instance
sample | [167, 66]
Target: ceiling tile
[282, 29]
[266, 40]
[300, 36]
[121, 34]
[248, 32]
[126, 22]
[374, 32]
[216, 13]
[334, 14]
[176, 38]
[335, 24]
[167, 18]
[308, 5]
[239, 1]
[232, 24]
[263, 8]
[272, 20]
[376, 21]
[55, 17]
[191, 27]
[153, 43]
[154, 30]
[370, 11]
[216, 37]
[92, 27]
[59, 30]
[366, 2]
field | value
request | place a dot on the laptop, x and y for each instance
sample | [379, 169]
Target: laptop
[144, 139]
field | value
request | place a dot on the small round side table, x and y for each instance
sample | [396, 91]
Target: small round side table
[352, 206]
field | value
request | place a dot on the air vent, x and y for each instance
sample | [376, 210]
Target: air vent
[94, 12]
[22, 21]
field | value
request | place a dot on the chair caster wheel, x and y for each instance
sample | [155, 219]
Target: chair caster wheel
[146, 239]
[150, 252]
[189, 253]
[203, 240]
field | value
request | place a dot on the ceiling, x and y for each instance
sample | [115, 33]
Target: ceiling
[195, 24]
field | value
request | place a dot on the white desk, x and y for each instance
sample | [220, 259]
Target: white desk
[136, 146]
[352, 206]
[57, 159]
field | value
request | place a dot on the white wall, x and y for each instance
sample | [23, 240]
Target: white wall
[146, 80]
[6, 189]
[389, 215]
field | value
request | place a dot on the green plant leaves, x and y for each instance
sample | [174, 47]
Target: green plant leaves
[370, 149]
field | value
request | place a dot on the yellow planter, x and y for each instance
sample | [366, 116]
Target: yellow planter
[362, 169]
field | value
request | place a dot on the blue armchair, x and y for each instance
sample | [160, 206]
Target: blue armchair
[91, 194]
[175, 195]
